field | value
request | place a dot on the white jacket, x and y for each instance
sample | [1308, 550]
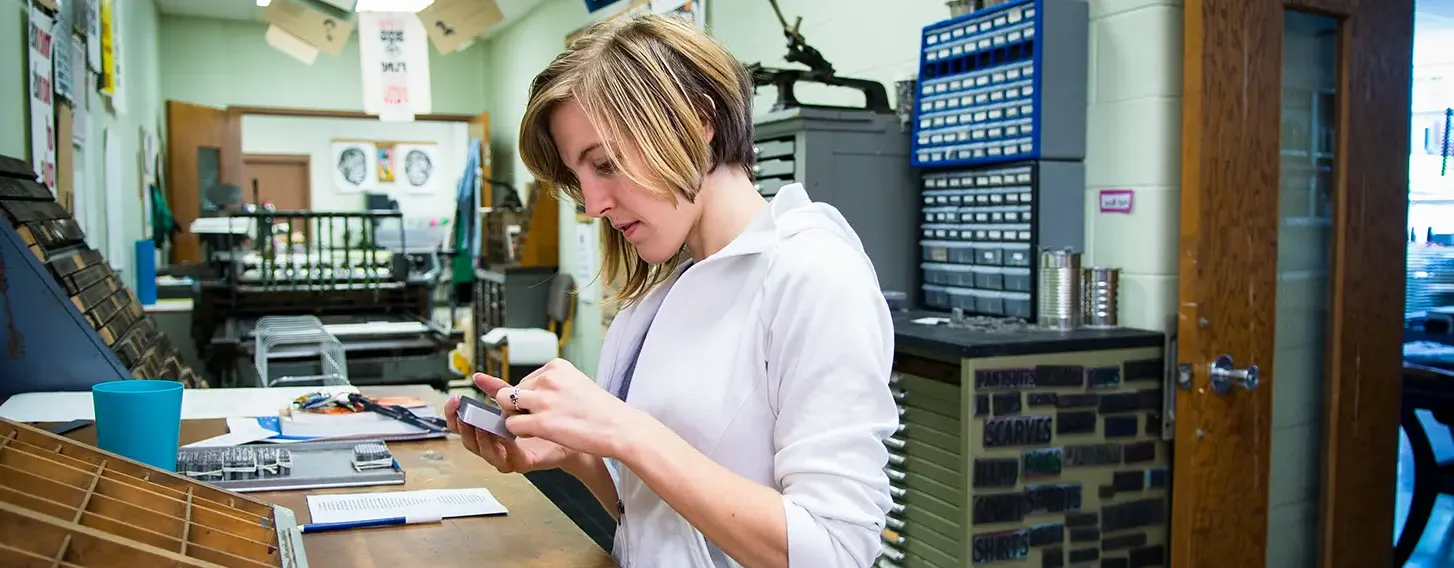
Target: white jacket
[772, 357]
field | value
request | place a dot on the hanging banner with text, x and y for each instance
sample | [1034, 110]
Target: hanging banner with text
[394, 50]
[42, 99]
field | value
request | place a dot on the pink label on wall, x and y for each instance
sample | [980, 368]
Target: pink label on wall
[1116, 200]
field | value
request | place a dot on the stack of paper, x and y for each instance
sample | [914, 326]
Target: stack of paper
[448, 503]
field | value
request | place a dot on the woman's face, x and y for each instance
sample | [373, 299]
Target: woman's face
[654, 226]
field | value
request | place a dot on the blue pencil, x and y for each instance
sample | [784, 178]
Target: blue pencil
[368, 523]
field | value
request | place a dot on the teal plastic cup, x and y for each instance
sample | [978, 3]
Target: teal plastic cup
[139, 419]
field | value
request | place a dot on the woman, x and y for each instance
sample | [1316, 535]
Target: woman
[740, 407]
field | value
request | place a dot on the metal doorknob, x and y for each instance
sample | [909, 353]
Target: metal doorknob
[1225, 376]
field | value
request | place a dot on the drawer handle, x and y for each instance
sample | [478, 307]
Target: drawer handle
[896, 459]
[756, 169]
[756, 150]
[902, 410]
[900, 395]
[894, 523]
[885, 563]
[894, 443]
[895, 474]
[896, 540]
[893, 554]
[901, 428]
[897, 492]
[894, 378]
[897, 509]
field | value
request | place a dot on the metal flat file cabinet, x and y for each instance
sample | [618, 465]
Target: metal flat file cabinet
[857, 161]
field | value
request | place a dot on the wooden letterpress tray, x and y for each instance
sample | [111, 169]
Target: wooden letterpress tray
[69, 505]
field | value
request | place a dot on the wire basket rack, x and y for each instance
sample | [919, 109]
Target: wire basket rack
[303, 342]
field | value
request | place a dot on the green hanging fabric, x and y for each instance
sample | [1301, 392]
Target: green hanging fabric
[163, 224]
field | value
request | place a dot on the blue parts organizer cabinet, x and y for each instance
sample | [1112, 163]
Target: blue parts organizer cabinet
[1003, 84]
[66, 319]
[981, 230]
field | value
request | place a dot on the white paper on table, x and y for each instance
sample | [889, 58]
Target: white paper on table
[448, 503]
[239, 431]
[197, 404]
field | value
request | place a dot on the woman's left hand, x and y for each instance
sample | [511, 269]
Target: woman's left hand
[560, 404]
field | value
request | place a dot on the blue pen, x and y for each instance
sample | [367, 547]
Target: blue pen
[369, 523]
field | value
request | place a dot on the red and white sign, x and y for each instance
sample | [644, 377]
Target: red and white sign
[1116, 200]
[393, 48]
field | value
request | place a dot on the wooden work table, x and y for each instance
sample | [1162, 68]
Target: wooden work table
[535, 533]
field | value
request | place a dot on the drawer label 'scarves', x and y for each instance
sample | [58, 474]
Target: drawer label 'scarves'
[1001, 546]
[1017, 431]
[1004, 378]
[996, 472]
[1043, 462]
[1092, 455]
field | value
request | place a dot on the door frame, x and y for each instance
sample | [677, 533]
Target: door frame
[1229, 226]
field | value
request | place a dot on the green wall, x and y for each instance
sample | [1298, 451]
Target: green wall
[227, 62]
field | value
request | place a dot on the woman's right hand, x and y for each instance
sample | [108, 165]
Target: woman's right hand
[521, 455]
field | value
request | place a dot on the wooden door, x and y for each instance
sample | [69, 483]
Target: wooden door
[204, 147]
[1295, 151]
[281, 179]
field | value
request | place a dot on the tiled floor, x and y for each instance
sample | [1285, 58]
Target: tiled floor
[1436, 550]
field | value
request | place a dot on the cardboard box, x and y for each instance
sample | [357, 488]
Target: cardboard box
[454, 24]
[320, 29]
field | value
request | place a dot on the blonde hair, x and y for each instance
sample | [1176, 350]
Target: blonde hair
[654, 83]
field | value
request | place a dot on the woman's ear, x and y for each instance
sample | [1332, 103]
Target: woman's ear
[707, 116]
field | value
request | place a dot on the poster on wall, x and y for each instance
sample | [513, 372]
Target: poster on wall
[91, 23]
[385, 164]
[353, 166]
[42, 99]
[417, 167]
[394, 53]
[692, 10]
[61, 42]
[108, 49]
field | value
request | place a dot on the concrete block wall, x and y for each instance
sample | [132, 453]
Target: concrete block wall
[1134, 142]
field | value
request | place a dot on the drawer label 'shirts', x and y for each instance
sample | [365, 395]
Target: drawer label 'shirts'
[1001, 546]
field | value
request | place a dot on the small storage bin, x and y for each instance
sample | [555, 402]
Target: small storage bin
[1017, 305]
[935, 297]
[1017, 255]
[990, 304]
[1017, 279]
[988, 278]
[947, 252]
[964, 299]
[988, 255]
[947, 274]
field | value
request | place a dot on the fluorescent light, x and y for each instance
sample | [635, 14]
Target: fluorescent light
[263, 3]
[392, 5]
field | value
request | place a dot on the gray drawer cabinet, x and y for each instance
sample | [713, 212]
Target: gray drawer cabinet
[858, 161]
